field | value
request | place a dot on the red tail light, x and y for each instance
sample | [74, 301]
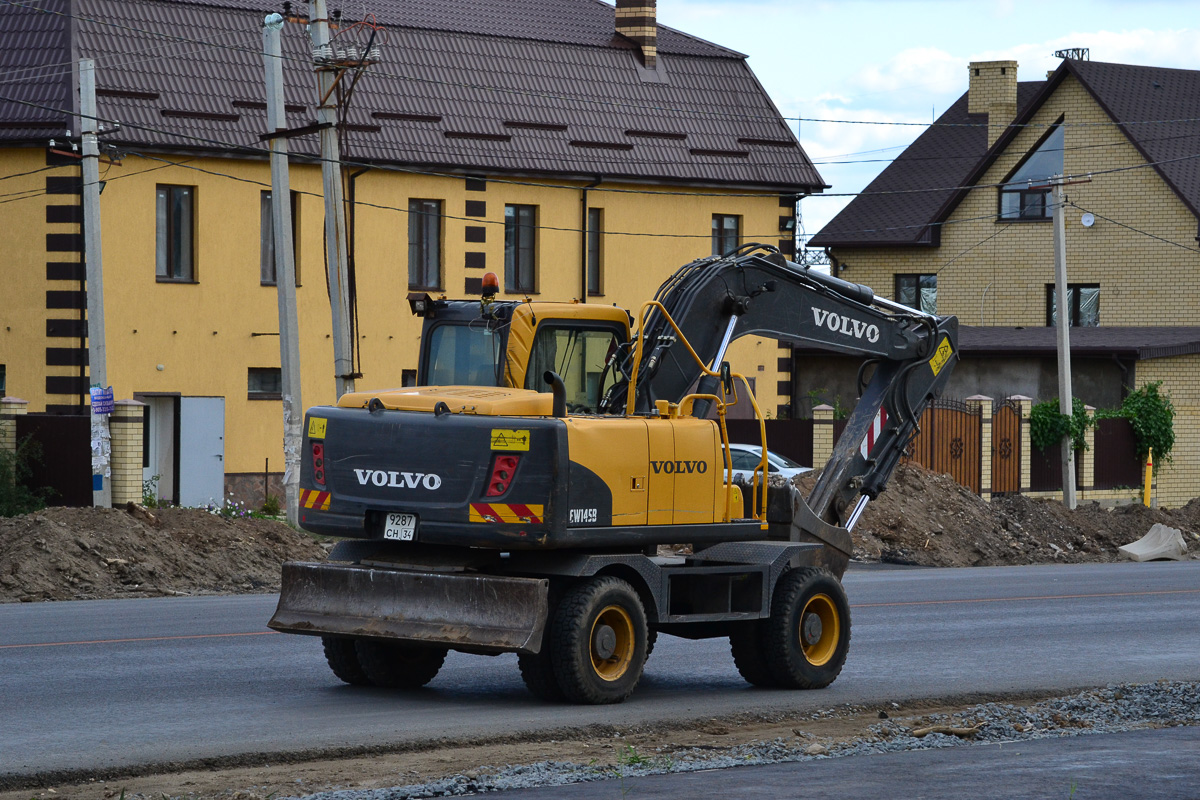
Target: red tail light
[503, 469]
[318, 462]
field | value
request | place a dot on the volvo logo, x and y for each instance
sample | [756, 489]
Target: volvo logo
[679, 467]
[398, 480]
[839, 323]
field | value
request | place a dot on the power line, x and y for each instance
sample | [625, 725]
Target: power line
[1135, 230]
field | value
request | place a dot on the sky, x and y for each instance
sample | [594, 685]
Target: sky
[906, 61]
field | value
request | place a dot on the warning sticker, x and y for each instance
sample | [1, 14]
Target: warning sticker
[941, 356]
[316, 427]
[509, 440]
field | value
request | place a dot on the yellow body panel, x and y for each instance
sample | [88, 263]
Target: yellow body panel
[616, 450]
[698, 495]
[483, 400]
[661, 509]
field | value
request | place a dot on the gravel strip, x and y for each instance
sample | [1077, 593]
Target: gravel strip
[1117, 708]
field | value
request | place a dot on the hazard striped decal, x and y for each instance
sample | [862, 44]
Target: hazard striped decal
[873, 432]
[317, 501]
[506, 512]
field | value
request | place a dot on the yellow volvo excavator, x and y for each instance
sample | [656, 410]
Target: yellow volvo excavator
[515, 499]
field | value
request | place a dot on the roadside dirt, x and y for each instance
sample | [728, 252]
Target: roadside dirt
[927, 519]
[263, 779]
[97, 553]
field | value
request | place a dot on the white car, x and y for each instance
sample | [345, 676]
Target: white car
[746, 457]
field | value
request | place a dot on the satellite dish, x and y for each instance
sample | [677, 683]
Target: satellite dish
[1088, 219]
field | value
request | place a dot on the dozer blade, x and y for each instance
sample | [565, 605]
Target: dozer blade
[477, 613]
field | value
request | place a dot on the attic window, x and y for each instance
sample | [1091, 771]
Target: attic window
[129, 94]
[486, 137]
[601, 145]
[260, 106]
[534, 126]
[211, 116]
[402, 117]
[696, 151]
[1025, 196]
[768, 142]
[657, 134]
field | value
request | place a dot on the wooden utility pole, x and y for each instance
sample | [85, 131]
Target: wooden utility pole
[335, 209]
[97, 357]
[285, 268]
[1065, 397]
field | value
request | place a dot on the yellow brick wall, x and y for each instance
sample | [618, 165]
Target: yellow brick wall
[1178, 481]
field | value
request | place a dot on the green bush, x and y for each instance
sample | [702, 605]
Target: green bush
[271, 507]
[1048, 426]
[1152, 416]
[15, 497]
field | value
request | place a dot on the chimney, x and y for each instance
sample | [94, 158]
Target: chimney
[992, 90]
[636, 22]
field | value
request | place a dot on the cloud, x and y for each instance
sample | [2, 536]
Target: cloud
[915, 70]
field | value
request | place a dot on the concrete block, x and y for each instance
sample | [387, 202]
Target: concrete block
[1159, 542]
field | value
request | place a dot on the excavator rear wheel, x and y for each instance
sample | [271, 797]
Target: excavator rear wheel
[538, 674]
[598, 641]
[749, 654]
[398, 666]
[343, 660]
[807, 635]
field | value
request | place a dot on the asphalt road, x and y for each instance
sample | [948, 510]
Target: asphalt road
[104, 684]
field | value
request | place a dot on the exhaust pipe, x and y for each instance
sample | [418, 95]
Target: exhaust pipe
[559, 390]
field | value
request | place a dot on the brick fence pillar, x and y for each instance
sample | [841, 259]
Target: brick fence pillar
[982, 405]
[1085, 462]
[10, 409]
[126, 426]
[822, 434]
[1024, 405]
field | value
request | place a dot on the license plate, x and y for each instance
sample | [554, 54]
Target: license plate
[402, 527]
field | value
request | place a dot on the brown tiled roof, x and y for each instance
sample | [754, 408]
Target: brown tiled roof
[526, 86]
[1139, 343]
[1158, 108]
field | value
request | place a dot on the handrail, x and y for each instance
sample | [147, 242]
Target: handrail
[631, 399]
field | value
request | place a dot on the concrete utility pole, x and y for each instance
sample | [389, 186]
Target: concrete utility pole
[97, 358]
[1065, 401]
[335, 209]
[285, 268]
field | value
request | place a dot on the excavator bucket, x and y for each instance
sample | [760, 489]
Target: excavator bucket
[475, 613]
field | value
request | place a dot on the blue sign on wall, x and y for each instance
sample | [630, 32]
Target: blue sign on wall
[102, 400]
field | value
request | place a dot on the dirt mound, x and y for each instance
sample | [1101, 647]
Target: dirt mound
[928, 519]
[92, 553]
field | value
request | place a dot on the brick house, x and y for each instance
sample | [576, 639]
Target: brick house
[960, 223]
[571, 147]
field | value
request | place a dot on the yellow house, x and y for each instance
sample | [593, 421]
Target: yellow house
[579, 151]
[961, 224]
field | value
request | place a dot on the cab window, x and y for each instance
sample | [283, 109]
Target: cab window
[463, 355]
[579, 356]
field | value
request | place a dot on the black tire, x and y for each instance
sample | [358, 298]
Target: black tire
[399, 666]
[749, 655]
[343, 660]
[807, 635]
[538, 673]
[651, 640]
[598, 641]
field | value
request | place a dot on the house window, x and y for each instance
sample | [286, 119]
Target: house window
[1019, 200]
[174, 225]
[520, 241]
[266, 267]
[726, 233]
[595, 252]
[1083, 305]
[264, 383]
[3, 378]
[424, 244]
[917, 291]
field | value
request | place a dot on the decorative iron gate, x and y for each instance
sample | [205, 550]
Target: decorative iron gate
[1006, 448]
[949, 441]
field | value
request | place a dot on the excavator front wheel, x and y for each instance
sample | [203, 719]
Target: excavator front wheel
[343, 660]
[598, 641]
[398, 666]
[808, 634]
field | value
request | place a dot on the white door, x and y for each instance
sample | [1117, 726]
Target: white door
[159, 473]
[201, 451]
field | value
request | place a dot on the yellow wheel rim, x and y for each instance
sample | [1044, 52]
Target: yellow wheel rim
[611, 643]
[819, 635]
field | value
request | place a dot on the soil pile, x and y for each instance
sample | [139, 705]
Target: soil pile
[92, 553]
[926, 518]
